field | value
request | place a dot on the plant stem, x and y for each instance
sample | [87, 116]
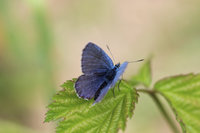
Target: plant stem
[152, 93]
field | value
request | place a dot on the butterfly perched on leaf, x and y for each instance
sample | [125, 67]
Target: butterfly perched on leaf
[99, 73]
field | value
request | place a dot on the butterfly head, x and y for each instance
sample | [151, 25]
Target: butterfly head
[117, 65]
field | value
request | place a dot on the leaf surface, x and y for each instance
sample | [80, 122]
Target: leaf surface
[78, 115]
[183, 94]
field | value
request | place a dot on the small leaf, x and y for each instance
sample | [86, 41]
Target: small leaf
[183, 94]
[144, 75]
[79, 115]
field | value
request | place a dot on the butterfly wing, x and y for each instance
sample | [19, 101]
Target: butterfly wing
[95, 60]
[104, 91]
[87, 85]
[120, 71]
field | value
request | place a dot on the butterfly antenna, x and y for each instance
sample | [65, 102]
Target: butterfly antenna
[136, 61]
[110, 52]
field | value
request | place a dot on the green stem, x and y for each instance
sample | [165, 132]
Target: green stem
[152, 93]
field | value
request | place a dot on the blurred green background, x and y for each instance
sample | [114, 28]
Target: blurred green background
[41, 44]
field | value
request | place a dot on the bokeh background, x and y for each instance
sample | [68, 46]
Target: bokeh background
[41, 42]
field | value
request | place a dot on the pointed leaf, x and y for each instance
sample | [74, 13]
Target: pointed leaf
[183, 94]
[144, 75]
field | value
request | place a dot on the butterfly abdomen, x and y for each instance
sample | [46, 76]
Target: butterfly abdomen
[99, 90]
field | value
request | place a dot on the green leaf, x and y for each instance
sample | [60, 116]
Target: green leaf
[78, 115]
[183, 94]
[144, 75]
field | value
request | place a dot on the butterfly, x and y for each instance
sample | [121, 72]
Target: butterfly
[99, 73]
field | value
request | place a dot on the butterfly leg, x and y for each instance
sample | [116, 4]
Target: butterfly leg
[119, 84]
[113, 90]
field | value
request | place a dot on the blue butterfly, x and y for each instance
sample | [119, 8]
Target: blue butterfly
[99, 73]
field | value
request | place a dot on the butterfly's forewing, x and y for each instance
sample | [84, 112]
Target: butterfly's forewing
[87, 85]
[120, 71]
[95, 60]
[104, 91]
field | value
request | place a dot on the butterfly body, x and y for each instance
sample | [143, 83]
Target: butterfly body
[109, 76]
[111, 73]
[100, 74]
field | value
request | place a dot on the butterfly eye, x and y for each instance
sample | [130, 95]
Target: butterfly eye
[117, 65]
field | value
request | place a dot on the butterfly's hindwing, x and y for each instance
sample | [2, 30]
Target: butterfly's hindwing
[87, 85]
